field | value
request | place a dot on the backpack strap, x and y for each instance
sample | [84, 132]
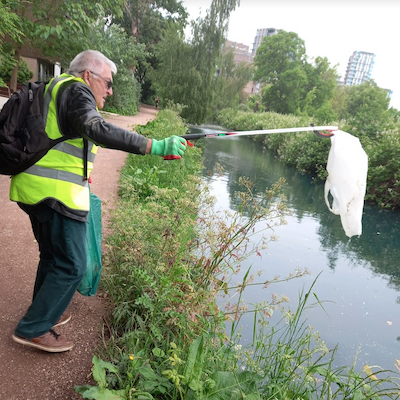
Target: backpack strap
[37, 121]
[48, 95]
[46, 105]
[85, 159]
[47, 99]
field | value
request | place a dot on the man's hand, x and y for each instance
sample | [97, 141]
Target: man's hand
[170, 148]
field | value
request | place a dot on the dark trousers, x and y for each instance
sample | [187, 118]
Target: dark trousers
[62, 246]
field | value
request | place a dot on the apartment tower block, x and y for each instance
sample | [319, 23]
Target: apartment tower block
[359, 68]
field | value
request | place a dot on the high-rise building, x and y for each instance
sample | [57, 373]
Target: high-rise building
[260, 35]
[240, 51]
[359, 68]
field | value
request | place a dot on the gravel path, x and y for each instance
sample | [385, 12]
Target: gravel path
[26, 373]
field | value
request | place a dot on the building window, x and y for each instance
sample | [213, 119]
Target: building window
[45, 70]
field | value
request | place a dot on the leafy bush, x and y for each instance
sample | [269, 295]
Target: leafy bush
[305, 151]
[247, 121]
[7, 64]
[126, 53]
[126, 94]
[384, 170]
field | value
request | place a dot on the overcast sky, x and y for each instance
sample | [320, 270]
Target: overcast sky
[329, 28]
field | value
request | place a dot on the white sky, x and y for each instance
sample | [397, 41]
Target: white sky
[329, 28]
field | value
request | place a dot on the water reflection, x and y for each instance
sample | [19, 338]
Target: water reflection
[360, 276]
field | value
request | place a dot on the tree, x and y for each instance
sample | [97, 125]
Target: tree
[9, 22]
[321, 86]
[147, 21]
[339, 100]
[55, 28]
[367, 110]
[277, 54]
[193, 66]
[230, 82]
[7, 66]
[292, 84]
[176, 78]
[127, 54]
[286, 95]
[279, 63]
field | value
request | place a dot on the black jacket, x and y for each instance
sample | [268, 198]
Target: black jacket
[78, 117]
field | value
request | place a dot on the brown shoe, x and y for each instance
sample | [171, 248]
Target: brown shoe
[50, 341]
[63, 319]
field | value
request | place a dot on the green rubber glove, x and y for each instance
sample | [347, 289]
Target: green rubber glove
[170, 148]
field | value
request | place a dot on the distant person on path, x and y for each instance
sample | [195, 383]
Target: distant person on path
[157, 101]
[55, 191]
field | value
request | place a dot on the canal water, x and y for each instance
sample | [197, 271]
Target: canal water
[358, 278]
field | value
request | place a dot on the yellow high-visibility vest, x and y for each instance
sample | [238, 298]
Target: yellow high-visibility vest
[60, 173]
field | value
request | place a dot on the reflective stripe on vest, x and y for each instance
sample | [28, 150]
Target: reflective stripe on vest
[56, 174]
[60, 173]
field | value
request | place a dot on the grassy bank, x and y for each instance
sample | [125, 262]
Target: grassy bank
[168, 258]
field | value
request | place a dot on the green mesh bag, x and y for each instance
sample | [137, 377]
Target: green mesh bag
[91, 279]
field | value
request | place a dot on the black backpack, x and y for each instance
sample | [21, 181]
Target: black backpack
[23, 139]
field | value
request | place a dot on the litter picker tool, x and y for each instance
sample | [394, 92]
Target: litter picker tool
[315, 129]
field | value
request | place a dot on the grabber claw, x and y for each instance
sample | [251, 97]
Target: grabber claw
[323, 135]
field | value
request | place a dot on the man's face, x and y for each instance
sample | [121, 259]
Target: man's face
[101, 84]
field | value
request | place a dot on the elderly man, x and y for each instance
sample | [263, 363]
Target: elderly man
[54, 192]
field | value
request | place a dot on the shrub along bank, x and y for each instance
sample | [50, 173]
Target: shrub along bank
[309, 153]
[168, 258]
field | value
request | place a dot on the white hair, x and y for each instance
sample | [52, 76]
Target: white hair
[92, 60]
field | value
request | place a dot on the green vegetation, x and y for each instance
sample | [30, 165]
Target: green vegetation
[9, 22]
[153, 56]
[117, 45]
[147, 23]
[169, 257]
[292, 85]
[56, 30]
[308, 153]
[187, 71]
[7, 64]
[366, 116]
[145, 40]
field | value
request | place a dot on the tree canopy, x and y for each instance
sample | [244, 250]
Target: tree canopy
[147, 21]
[278, 54]
[292, 85]
[366, 111]
[55, 29]
[187, 70]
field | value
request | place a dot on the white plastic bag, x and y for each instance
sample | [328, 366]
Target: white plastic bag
[347, 180]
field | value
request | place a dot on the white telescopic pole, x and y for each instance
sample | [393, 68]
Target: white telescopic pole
[282, 130]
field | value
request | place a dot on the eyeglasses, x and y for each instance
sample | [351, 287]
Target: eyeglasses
[109, 83]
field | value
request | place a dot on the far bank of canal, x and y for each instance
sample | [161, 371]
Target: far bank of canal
[359, 278]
